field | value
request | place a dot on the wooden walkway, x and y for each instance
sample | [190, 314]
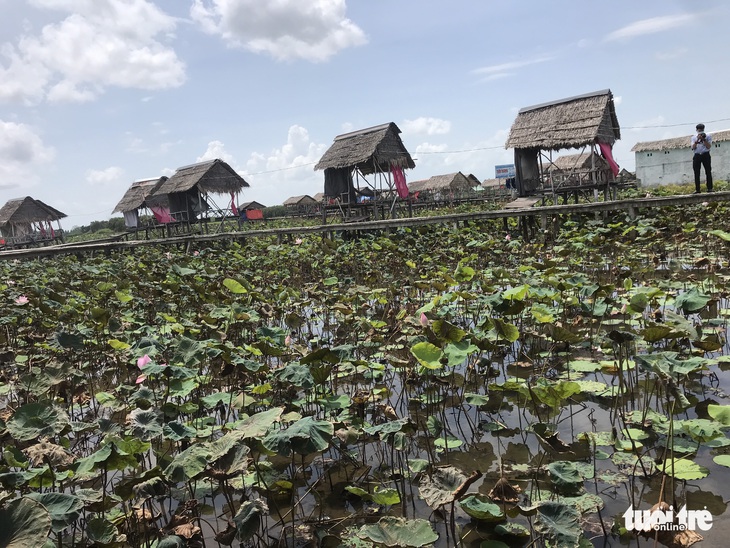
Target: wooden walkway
[632, 207]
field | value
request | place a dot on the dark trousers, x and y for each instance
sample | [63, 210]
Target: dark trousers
[698, 161]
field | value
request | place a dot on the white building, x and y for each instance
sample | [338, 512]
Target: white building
[669, 161]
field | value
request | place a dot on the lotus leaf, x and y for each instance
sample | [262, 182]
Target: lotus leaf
[684, 469]
[24, 523]
[146, 424]
[428, 355]
[480, 507]
[34, 420]
[102, 531]
[559, 523]
[392, 531]
[439, 489]
[305, 436]
[248, 518]
[64, 509]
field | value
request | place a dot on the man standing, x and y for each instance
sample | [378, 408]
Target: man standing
[701, 145]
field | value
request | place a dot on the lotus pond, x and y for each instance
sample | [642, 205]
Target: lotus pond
[424, 387]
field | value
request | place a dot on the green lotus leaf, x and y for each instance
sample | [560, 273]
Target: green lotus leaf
[447, 331]
[248, 519]
[64, 509]
[176, 431]
[145, 424]
[438, 489]
[188, 464]
[385, 497]
[480, 507]
[559, 523]
[102, 531]
[691, 301]
[392, 531]
[296, 374]
[701, 429]
[456, 353]
[234, 286]
[428, 355]
[566, 473]
[722, 460]
[684, 469]
[721, 413]
[24, 523]
[306, 436]
[37, 419]
[109, 457]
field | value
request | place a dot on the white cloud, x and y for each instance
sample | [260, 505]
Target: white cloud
[650, 26]
[426, 126]
[503, 70]
[216, 150]
[21, 153]
[111, 174]
[285, 171]
[313, 30]
[101, 43]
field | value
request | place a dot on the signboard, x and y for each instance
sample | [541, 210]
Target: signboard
[506, 171]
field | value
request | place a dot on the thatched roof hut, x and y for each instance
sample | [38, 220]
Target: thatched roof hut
[582, 161]
[251, 205]
[456, 182]
[370, 150]
[587, 120]
[22, 211]
[188, 188]
[297, 201]
[26, 219]
[141, 194]
[213, 176]
[567, 123]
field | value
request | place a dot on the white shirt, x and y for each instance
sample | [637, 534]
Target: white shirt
[701, 148]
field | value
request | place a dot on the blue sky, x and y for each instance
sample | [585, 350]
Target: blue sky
[95, 94]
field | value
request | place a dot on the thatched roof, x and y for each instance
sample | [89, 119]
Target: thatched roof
[140, 194]
[678, 142]
[450, 181]
[571, 162]
[567, 123]
[251, 205]
[378, 146]
[214, 176]
[492, 183]
[305, 199]
[27, 210]
[319, 197]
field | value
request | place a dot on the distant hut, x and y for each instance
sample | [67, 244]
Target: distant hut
[585, 121]
[140, 196]
[577, 169]
[190, 188]
[26, 221]
[367, 162]
[300, 201]
[319, 197]
[250, 205]
[444, 186]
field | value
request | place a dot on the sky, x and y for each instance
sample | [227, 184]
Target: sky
[97, 94]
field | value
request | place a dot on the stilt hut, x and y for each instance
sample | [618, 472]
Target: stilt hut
[585, 122]
[26, 222]
[189, 190]
[139, 197]
[367, 163]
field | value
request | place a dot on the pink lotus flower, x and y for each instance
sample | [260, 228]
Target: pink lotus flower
[142, 363]
[298, 241]
[287, 340]
[424, 320]
[508, 237]
[21, 300]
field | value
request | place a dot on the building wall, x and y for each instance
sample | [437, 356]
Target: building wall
[664, 167]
